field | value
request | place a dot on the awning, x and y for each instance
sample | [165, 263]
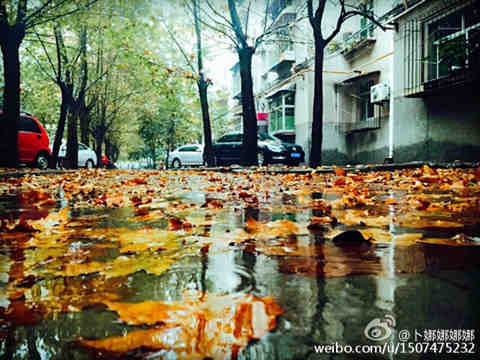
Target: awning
[286, 87]
[359, 77]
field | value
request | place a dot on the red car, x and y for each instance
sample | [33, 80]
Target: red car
[105, 161]
[33, 141]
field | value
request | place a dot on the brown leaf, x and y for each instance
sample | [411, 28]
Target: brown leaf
[317, 222]
[279, 228]
[176, 224]
[201, 326]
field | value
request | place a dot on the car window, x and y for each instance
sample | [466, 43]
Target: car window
[188, 148]
[265, 136]
[231, 138]
[27, 124]
[82, 147]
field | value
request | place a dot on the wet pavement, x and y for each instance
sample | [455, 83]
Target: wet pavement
[192, 265]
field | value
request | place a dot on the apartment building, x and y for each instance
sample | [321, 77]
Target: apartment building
[386, 92]
[437, 72]
[358, 58]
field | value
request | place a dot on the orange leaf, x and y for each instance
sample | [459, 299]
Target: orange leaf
[201, 326]
[339, 171]
[279, 228]
[318, 222]
[340, 181]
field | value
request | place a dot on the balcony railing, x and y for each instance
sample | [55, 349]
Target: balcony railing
[439, 58]
[357, 41]
[346, 128]
[279, 59]
[282, 13]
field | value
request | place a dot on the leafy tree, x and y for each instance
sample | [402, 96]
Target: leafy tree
[321, 41]
[236, 28]
[202, 82]
[16, 18]
[69, 71]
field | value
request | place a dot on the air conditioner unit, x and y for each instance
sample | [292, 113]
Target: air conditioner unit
[379, 93]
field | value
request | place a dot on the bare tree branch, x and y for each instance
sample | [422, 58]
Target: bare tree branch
[247, 17]
[265, 19]
[47, 54]
[3, 13]
[56, 17]
[179, 46]
[21, 11]
[218, 23]
[341, 19]
[93, 83]
[43, 8]
[61, 52]
[217, 29]
[349, 14]
[219, 14]
[44, 71]
[310, 13]
[271, 30]
[237, 25]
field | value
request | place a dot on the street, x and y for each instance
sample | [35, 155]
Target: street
[238, 263]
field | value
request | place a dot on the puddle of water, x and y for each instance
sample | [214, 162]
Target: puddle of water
[328, 291]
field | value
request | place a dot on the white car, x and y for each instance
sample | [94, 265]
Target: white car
[86, 157]
[186, 155]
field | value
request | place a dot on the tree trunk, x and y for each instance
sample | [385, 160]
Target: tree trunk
[202, 90]
[65, 105]
[84, 123]
[99, 138]
[10, 45]
[250, 130]
[72, 140]
[82, 110]
[317, 123]
[207, 129]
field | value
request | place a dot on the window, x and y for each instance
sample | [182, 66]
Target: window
[278, 6]
[366, 26]
[354, 110]
[365, 107]
[28, 125]
[188, 148]
[282, 112]
[82, 147]
[231, 138]
[453, 41]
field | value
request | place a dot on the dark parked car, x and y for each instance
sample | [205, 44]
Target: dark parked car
[271, 150]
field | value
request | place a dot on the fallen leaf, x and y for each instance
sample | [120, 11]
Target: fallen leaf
[201, 326]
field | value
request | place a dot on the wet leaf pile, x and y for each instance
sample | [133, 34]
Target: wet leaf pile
[73, 242]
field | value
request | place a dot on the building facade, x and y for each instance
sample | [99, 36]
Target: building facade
[437, 102]
[387, 93]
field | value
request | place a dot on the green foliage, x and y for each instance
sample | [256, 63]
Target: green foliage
[143, 91]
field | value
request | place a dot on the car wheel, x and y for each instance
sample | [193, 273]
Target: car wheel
[176, 163]
[261, 159]
[42, 161]
[89, 164]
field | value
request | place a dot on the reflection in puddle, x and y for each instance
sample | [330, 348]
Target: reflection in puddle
[97, 283]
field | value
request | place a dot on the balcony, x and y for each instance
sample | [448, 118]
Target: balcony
[458, 62]
[353, 43]
[286, 16]
[442, 57]
[284, 59]
[352, 127]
